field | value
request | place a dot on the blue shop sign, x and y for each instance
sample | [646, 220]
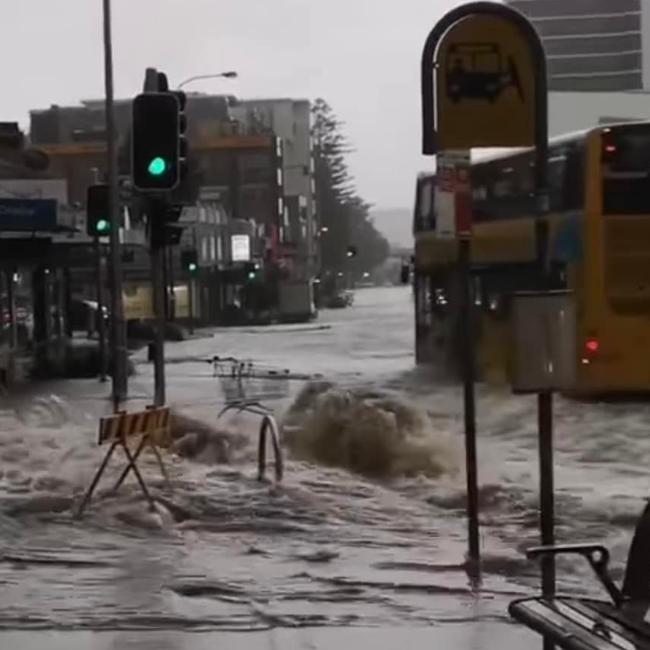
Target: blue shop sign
[28, 214]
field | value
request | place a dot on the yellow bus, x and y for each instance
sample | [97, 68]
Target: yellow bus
[598, 248]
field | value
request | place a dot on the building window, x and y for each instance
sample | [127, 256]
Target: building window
[213, 249]
[204, 249]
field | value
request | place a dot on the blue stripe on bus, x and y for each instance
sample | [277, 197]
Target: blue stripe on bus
[567, 244]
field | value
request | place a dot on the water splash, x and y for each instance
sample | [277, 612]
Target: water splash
[368, 432]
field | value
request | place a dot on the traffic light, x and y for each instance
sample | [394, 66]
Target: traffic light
[251, 269]
[155, 153]
[190, 261]
[182, 138]
[98, 218]
[187, 191]
[352, 251]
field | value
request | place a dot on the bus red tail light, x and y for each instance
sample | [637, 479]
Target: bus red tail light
[590, 350]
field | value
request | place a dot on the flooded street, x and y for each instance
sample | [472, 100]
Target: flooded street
[367, 529]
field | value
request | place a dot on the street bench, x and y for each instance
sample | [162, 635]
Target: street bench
[588, 624]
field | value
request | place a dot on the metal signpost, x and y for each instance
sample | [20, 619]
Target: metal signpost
[484, 85]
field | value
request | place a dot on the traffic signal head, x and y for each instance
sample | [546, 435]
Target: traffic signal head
[352, 251]
[155, 154]
[182, 194]
[190, 261]
[251, 269]
[98, 218]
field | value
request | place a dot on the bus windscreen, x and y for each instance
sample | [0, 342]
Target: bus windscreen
[626, 170]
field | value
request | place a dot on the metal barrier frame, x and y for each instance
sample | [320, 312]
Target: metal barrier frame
[267, 425]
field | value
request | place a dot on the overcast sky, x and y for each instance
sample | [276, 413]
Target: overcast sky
[361, 55]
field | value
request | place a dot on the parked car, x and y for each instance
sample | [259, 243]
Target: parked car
[340, 300]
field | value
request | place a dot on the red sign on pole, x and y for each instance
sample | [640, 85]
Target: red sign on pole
[453, 203]
[463, 196]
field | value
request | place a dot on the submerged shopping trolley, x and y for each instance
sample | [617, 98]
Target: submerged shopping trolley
[246, 386]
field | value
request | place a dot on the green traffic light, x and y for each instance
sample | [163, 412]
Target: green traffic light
[103, 226]
[157, 167]
[192, 267]
[251, 275]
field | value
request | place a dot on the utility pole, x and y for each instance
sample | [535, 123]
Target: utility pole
[118, 338]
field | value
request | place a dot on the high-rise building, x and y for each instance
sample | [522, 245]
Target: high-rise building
[598, 59]
[593, 45]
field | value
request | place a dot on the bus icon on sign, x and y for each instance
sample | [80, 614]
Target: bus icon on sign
[480, 71]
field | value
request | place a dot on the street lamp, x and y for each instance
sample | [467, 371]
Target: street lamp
[230, 74]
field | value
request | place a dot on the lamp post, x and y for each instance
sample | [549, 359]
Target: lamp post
[230, 74]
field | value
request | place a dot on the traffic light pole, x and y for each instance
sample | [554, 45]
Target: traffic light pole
[101, 324]
[190, 287]
[118, 338]
[158, 282]
[190, 301]
[157, 164]
[171, 299]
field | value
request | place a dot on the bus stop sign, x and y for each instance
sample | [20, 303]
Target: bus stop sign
[483, 80]
[485, 86]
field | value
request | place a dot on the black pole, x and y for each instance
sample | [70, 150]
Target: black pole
[547, 517]
[190, 301]
[171, 282]
[118, 329]
[158, 285]
[469, 399]
[165, 281]
[101, 324]
[544, 398]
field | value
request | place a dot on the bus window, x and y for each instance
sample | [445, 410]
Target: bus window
[626, 170]
[426, 201]
[423, 216]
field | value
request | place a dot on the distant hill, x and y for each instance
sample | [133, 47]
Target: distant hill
[395, 225]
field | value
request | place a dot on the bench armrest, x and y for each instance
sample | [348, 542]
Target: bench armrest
[597, 556]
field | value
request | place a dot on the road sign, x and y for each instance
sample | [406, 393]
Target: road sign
[452, 202]
[240, 248]
[484, 85]
[28, 214]
[485, 77]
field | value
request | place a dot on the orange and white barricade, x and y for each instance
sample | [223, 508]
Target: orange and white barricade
[151, 427]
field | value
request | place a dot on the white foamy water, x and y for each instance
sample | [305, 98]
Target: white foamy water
[368, 525]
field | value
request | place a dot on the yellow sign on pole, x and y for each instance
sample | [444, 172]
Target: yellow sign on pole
[485, 85]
